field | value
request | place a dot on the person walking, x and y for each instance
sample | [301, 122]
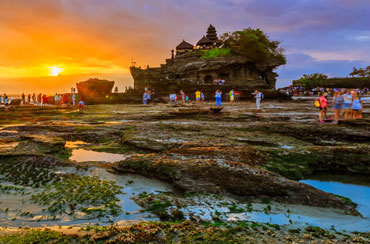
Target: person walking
[338, 105]
[197, 96]
[258, 96]
[74, 99]
[347, 105]
[323, 107]
[202, 96]
[218, 95]
[357, 106]
[34, 98]
[145, 98]
[232, 96]
[148, 97]
[23, 99]
[182, 93]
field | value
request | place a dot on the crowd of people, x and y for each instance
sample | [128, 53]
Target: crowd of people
[43, 100]
[200, 97]
[302, 91]
[347, 105]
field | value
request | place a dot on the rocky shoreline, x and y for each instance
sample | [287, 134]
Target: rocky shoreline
[239, 154]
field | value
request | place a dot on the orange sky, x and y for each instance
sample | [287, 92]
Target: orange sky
[98, 38]
[83, 38]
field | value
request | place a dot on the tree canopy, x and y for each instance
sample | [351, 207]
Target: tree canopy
[255, 45]
[360, 72]
[313, 80]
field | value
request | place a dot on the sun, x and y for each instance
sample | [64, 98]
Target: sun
[55, 70]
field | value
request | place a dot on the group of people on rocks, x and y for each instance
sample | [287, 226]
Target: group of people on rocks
[347, 104]
[200, 97]
[57, 99]
[302, 91]
[43, 99]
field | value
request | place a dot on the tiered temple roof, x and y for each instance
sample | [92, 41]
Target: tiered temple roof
[212, 33]
[204, 41]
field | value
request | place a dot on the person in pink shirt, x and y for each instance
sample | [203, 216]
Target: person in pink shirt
[323, 105]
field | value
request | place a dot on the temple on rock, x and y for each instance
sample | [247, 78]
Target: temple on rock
[189, 69]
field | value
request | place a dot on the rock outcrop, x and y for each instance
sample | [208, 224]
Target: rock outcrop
[190, 71]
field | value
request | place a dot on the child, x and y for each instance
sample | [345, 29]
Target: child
[81, 105]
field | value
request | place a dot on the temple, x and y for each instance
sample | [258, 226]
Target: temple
[189, 69]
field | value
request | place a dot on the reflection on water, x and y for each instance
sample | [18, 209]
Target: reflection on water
[356, 188]
[81, 155]
[75, 144]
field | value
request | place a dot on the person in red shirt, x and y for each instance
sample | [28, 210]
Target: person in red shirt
[323, 107]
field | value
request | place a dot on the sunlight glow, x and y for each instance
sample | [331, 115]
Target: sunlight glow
[55, 70]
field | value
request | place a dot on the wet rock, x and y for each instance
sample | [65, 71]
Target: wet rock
[241, 179]
[51, 144]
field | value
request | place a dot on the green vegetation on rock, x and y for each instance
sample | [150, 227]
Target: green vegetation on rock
[216, 52]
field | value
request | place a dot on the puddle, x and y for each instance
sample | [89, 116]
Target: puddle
[82, 155]
[294, 216]
[286, 147]
[133, 185]
[356, 188]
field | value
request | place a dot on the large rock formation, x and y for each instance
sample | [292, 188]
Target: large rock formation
[94, 90]
[190, 70]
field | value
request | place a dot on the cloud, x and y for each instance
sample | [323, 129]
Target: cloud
[105, 35]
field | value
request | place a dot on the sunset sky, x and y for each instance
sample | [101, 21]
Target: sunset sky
[49, 45]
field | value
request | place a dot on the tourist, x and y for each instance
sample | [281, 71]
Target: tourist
[182, 93]
[38, 99]
[232, 96]
[323, 107]
[1, 99]
[56, 99]
[6, 100]
[218, 95]
[202, 96]
[357, 106]
[197, 96]
[73, 99]
[23, 98]
[66, 99]
[347, 104]
[145, 98]
[29, 99]
[81, 105]
[338, 105]
[44, 100]
[116, 89]
[258, 96]
[173, 98]
[148, 97]
[34, 98]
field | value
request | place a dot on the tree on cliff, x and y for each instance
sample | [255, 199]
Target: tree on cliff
[313, 80]
[255, 45]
